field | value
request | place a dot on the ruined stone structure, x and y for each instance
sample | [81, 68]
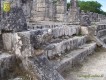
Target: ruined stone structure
[61, 9]
[41, 10]
[74, 12]
[44, 50]
[85, 19]
[57, 11]
[15, 19]
[49, 10]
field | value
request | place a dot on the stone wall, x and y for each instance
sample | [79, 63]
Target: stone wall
[15, 19]
[61, 8]
[73, 14]
[42, 10]
[40, 36]
[51, 10]
[101, 30]
[47, 10]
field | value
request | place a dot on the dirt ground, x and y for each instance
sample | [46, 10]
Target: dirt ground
[92, 68]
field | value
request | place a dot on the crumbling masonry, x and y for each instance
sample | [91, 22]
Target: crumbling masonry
[40, 38]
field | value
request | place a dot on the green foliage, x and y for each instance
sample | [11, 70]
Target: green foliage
[54, 1]
[68, 6]
[102, 12]
[92, 6]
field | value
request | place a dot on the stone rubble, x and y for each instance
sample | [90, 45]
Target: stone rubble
[46, 37]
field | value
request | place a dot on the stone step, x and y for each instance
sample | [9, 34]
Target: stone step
[59, 48]
[103, 41]
[38, 37]
[16, 78]
[41, 68]
[47, 24]
[100, 27]
[101, 33]
[56, 32]
[8, 64]
[73, 57]
[97, 33]
[65, 31]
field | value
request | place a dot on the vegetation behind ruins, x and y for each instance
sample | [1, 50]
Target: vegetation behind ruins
[92, 6]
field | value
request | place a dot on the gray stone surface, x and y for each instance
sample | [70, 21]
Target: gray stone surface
[42, 68]
[22, 44]
[85, 19]
[65, 31]
[8, 64]
[73, 14]
[61, 8]
[15, 21]
[7, 41]
[75, 57]
[40, 37]
[65, 45]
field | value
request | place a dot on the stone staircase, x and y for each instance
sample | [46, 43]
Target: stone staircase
[73, 57]
[8, 65]
[69, 52]
[65, 48]
[45, 53]
[97, 33]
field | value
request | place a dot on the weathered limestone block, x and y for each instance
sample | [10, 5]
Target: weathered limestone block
[40, 37]
[95, 17]
[75, 43]
[65, 44]
[8, 64]
[85, 21]
[7, 41]
[84, 30]
[101, 33]
[55, 32]
[52, 10]
[41, 69]
[61, 8]
[68, 45]
[57, 49]
[101, 17]
[17, 79]
[90, 15]
[27, 7]
[37, 66]
[100, 30]
[60, 17]
[73, 15]
[62, 31]
[42, 8]
[87, 50]
[74, 57]
[22, 44]
[100, 27]
[15, 21]
[65, 31]
[92, 49]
